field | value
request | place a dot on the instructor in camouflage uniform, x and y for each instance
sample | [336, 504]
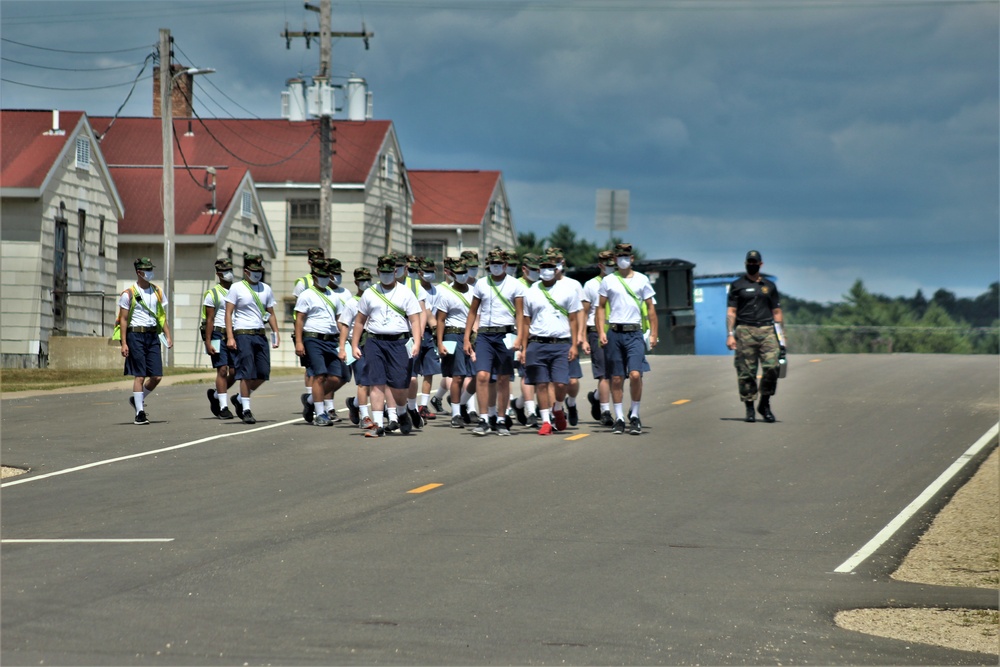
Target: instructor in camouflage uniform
[754, 320]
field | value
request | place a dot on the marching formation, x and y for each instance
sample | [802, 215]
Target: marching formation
[410, 337]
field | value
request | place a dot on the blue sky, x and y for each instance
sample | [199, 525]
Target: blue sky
[844, 139]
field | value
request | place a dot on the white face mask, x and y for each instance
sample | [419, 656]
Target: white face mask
[623, 262]
[364, 284]
[228, 276]
[473, 272]
[511, 270]
[461, 278]
[322, 281]
[547, 274]
[413, 274]
[147, 275]
[560, 266]
[336, 279]
[608, 267]
[532, 275]
[255, 276]
[430, 277]
[400, 271]
[497, 270]
[387, 277]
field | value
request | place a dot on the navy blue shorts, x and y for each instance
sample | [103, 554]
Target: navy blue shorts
[458, 364]
[428, 361]
[597, 356]
[360, 368]
[321, 357]
[625, 352]
[388, 363]
[492, 355]
[222, 357]
[547, 362]
[144, 356]
[253, 357]
[575, 369]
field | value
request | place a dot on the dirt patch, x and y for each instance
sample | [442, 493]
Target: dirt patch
[6, 472]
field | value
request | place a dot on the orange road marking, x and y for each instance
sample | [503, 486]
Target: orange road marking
[577, 436]
[426, 487]
[682, 401]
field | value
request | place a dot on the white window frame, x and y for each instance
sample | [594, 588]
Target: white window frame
[389, 167]
[246, 205]
[82, 153]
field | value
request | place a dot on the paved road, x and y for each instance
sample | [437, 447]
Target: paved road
[705, 540]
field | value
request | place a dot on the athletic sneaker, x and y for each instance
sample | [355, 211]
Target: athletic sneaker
[437, 404]
[237, 406]
[574, 416]
[405, 423]
[559, 417]
[473, 417]
[392, 426]
[352, 410]
[415, 420]
[508, 422]
[522, 417]
[619, 427]
[248, 417]
[502, 429]
[131, 401]
[426, 414]
[307, 408]
[634, 425]
[457, 422]
[546, 429]
[322, 419]
[493, 423]
[224, 413]
[213, 402]
[607, 419]
[532, 421]
[140, 418]
[463, 411]
[367, 423]
[482, 428]
[595, 406]
[376, 432]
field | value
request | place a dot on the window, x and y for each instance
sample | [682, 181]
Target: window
[303, 225]
[82, 153]
[431, 250]
[81, 239]
[388, 228]
[247, 207]
[100, 237]
[497, 213]
[389, 167]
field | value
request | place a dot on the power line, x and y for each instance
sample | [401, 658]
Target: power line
[70, 69]
[138, 76]
[96, 53]
[113, 85]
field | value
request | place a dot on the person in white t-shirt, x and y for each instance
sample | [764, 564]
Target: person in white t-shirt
[214, 335]
[600, 398]
[317, 340]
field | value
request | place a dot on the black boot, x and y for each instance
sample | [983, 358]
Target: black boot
[750, 418]
[765, 409]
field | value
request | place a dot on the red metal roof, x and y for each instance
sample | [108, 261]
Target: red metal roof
[27, 151]
[140, 189]
[452, 197]
[274, 150]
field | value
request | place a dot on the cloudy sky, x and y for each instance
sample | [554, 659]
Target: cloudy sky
[844, 139]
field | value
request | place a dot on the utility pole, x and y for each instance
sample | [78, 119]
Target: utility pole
[325, 36]
[167, 130]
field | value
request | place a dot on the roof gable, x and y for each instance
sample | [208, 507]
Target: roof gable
[452, 197]
[29, 149]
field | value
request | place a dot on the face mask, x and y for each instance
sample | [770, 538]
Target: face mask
[400, 271]
[547, 274]
[753, 269]
[228, 276]
[430, 277]
[473, 271]
[364, 284]
[560, 266]
[532, 275]
[497, 270]
[511, 270]
[322, 282]
[387, 277]
[461, 278]
[623, 262]
[413, 274]
[147, 275]
[255, 276]
[336, 279]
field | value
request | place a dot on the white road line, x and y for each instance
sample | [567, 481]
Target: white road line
[138, 455]
[883, 535]
[87, 541]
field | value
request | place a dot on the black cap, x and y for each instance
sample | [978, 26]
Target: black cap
[753, 256]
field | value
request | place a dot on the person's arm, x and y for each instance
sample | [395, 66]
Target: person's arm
[731, 327]
[417, 330]
[779, 325]
[274, 327]
[439, 332]
[209, 326]
[602, 336]
[166, 332]
[469, 322]
[359, 326]
[230, 338]
[521, 342]
[654, 323]
[300, 348]
[123, 323]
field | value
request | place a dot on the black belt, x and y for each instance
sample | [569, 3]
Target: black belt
[454, 330]
[322, 336]
[142, 330]
[248, 332]
[494, 330]
[220, 330]
[755, 324]
[399, 336]
[591, 328]
[547, 339]
[626, 327]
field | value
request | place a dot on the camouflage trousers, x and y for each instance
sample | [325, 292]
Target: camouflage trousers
[753, 345]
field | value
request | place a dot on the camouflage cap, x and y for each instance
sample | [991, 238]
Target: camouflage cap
[623, 249]
[222, 265]
[554, 252]
[512, 257]
[428, 265]
[316, 253]
[458, 266]
[531, 260]
[471, 257]
[253, 262]
[362, 273]
[606, 256]
[321, 267]
[496, 257]
[754, 256]
[413, 261]
[548, 260]
[143, 264]
[386, 263]
[333, 264]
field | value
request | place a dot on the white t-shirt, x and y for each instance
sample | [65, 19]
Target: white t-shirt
[348, 314]
[383, 318]
[247, 313]
[455, 305]
[220, 308]
[624, 309]
[591, 296]
[141, 317]
[546, 320]
[321, 317]
[493, 312]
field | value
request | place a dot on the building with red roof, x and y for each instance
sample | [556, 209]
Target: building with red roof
[59, 238]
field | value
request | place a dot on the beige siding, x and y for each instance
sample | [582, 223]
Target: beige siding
[21, 297]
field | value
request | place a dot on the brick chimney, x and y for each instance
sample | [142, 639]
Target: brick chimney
[183, 91]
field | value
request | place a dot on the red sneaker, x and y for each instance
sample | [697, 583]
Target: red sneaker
[546, 429]
[426, 414]
[367, 423]
[559, 417]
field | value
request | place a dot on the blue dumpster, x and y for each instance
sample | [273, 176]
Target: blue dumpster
[711, 294]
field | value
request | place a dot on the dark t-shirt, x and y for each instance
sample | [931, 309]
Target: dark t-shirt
[753, 301]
